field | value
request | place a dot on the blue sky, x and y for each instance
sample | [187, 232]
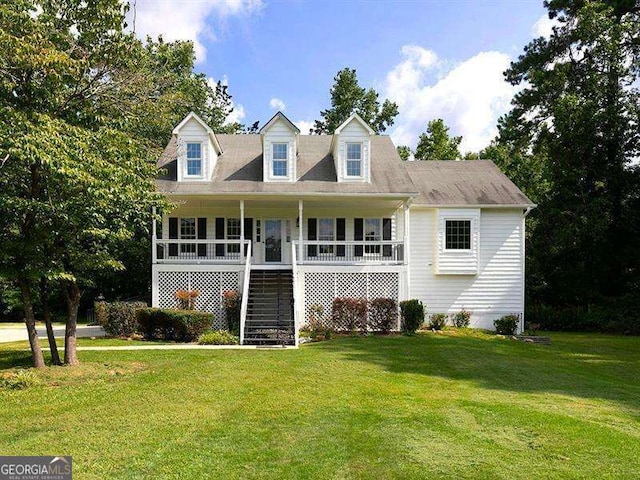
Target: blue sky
[434, 58]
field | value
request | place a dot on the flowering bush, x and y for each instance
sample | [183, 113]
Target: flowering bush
[349, 314]
[383, 314]
[187, 299]
[438, 321]
[461, 319]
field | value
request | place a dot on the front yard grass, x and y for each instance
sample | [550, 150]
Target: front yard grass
[429, 406]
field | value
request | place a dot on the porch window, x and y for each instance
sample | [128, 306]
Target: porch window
[326, 233]
[188, 232]
[279, 159]
[458, 235]
[233, 233]
[354, 159]
[194, 159]
[372, 233]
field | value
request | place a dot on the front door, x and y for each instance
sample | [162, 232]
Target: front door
[273, 241]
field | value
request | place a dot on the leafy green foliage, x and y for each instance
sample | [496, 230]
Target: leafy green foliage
[461, 319]
[570, 142]
[404, 151]
[170, 324]
[348, 97]
[507, 324]
[436, 144]
[437, 321]
[19, 379]
[218, 337]
[412, 313]
[118, 318]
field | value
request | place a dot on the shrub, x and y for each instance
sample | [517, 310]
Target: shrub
[19, 379]
[383, 314]
[317, 329]
[507, 325]
[438, 321]
[462, 319]
[218, 337]
[187, 299]
[232, 303]
[118, 318]
[349, 314]
[412, 313]
[170, 324]
[100, 311]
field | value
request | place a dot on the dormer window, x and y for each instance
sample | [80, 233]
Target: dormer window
[279, 161]
[194, 159]
[354, 160]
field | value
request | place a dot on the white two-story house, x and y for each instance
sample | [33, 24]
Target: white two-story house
[293, 221]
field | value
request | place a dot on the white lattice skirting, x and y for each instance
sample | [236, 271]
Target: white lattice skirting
[211, 286]
[322, 288]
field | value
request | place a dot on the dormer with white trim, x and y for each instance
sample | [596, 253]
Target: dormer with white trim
[351, 150]
[197, 149]
[279, 149]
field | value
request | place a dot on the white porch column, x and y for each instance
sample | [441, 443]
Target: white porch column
[241, 231]
[154, 237]
[300, 224]
[407, 247]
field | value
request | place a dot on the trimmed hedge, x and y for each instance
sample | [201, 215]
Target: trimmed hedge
[349, 314]
[383, 314]
[171, 324]
[118, 318]
[412, 312]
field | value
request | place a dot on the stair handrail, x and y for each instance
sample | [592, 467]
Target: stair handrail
[245, 292]
[296, 302]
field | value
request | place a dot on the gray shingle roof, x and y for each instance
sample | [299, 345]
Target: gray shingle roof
[471, 182]
[239, 170]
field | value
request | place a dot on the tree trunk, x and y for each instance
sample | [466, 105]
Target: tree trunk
[72, 297]
[46, 316]
[30, 321]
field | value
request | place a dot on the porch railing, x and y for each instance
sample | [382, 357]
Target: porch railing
[380, 252]
[178, 251]
[296, 297]
[245, 293]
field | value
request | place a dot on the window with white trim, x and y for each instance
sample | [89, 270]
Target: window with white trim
[194, 159]
[354, 159]
[457, 235]
[233, 233]
[279, 162]
[372, 233]
[326, 233]
[188, 231]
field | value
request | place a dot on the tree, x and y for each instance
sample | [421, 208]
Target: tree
[579, 109]
[348, 97]
[84, 109]
[436, 144]
[404, 151]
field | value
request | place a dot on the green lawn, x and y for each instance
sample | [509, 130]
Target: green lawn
[429, 406]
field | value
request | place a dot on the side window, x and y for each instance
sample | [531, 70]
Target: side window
[279, 162]
[458, 235]
[194, 159]
[326, 233]
[372, 233]
[233, 233]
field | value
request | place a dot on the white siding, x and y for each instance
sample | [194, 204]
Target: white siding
[279, 132]
[452, 262]
[496, 290]
[353, 132]
[193, 131]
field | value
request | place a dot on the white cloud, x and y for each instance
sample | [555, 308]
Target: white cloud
[277, 104]
[543, 26]
[176, 20]
[304, 126]
[469, 96]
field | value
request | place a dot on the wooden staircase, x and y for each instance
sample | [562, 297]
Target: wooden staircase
[270, 308]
